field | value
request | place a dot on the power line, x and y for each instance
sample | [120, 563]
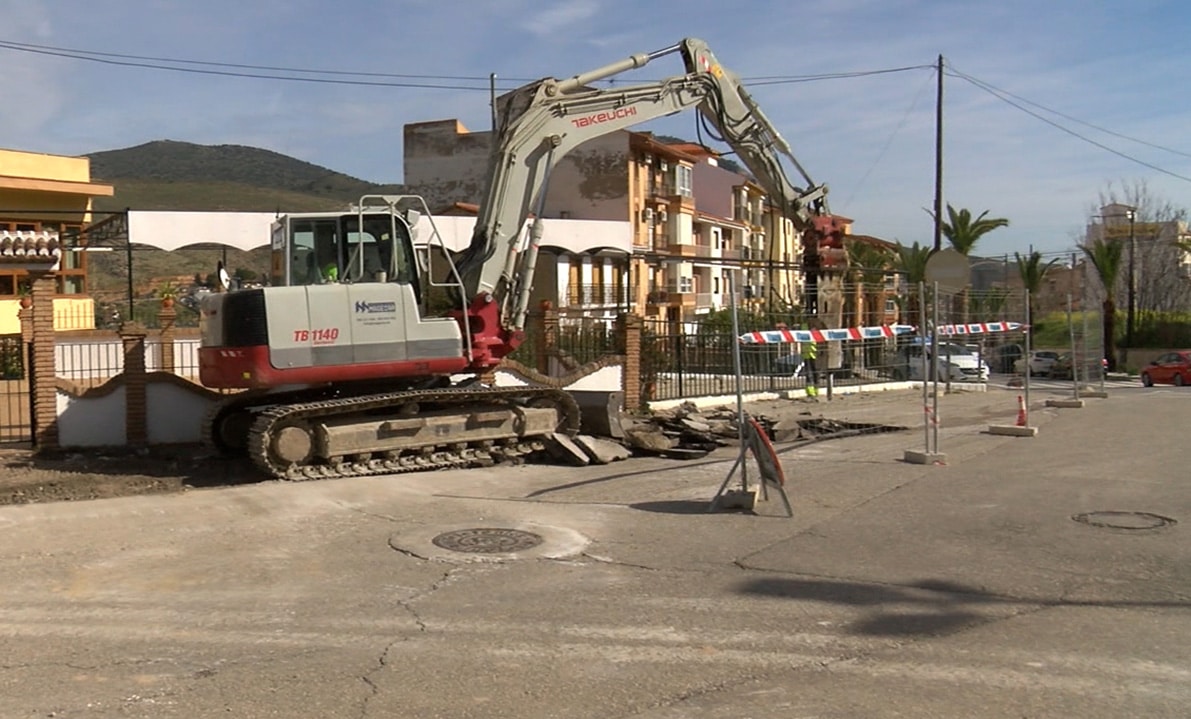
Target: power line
[339, 77]
[1006, 99]
[1105, 130]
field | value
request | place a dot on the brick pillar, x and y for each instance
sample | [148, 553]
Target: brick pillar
[548, 332]
[132, 336]
[43, 382]
[630, 325]
[165, 319]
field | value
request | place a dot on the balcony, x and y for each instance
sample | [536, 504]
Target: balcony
[596, 295]
[670, 296]
[688, 250]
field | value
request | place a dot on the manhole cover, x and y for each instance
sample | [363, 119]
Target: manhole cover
[487, 540]
[1124, 520]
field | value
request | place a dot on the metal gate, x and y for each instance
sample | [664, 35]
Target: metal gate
[16, 396]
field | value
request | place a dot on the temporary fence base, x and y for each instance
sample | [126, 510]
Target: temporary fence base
[917, 456]
[1012, 430]
[1093, 393]
[1065, 403]
[742, 499]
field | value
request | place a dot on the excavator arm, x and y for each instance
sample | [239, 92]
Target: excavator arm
[541, 122]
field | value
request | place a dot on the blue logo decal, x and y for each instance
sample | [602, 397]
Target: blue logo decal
[375, 307]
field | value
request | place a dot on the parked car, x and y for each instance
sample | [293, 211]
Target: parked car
[1061, 368]
[1040, 362]
[1001, 358]
[1170, 368]
[955, 362]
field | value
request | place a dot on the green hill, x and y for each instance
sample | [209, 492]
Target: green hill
[171, 175]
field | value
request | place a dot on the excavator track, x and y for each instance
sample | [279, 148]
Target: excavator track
[292, 424]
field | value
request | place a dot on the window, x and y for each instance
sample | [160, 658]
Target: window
[682, 176]
[686, 284]
[890, 305]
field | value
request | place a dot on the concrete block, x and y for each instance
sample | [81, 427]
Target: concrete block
[601, 451]
[1093, 393]
[737, 499]
[1012, 430]
[600, 412]
[565, 450]
[1065, 403]
[917, 456]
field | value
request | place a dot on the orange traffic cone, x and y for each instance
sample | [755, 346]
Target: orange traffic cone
[1021, 411]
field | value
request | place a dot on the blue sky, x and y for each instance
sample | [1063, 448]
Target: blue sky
[1119, 66]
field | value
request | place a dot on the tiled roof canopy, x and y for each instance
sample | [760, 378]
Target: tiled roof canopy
[30, 249]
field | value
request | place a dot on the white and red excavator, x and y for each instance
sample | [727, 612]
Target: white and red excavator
[348, 365]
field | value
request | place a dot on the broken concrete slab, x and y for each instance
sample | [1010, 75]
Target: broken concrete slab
[565, 450]
[601, 451]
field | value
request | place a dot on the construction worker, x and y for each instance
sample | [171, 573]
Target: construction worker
[810, 353]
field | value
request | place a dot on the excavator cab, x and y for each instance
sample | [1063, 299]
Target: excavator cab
[353, 247]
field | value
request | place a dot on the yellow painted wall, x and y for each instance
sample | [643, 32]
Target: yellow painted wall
[36, 205]
[44, 167]
[69, 314]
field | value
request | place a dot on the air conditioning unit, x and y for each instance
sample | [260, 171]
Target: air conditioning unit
[647, 215]
[649, 159]
[665, 166]
[662, 216]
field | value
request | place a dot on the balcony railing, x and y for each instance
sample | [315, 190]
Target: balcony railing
[596, 295]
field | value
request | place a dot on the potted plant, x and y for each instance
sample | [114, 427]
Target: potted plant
[168, 294]
[25, 292]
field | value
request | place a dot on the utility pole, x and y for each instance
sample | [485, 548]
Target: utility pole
[492, 98]
[1129, 317]
[939, 159]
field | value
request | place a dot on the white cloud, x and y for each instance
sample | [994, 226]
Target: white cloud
[564, 16]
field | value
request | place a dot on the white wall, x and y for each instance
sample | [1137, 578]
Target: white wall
[172, 230]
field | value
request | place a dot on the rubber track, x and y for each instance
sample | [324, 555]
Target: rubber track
[444, 456]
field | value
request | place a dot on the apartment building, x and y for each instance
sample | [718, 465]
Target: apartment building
[693, 222]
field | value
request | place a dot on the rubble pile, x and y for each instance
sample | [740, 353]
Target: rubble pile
[687, 432]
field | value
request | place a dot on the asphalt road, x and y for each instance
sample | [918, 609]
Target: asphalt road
[897, 590]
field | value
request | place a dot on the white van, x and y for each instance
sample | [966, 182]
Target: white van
[955, 362]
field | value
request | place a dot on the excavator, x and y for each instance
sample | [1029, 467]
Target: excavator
[351, 362]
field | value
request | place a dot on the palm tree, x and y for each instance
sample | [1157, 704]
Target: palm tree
[963, 233]
[867, 266]
[1032, 273]
[1105, 256]
[910, 262]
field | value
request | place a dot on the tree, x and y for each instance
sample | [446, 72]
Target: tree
[1105, 256]
[910, 262]
[1158, 227]
[963, 233]
[1032, 272]
[867, 266]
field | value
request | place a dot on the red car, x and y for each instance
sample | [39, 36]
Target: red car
[1170, 368]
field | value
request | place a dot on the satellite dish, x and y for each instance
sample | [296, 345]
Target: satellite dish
[225, 280]
[949, 268]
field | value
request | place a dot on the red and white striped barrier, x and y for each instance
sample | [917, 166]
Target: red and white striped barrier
[853, 334]
[979, 328]
[847, 334]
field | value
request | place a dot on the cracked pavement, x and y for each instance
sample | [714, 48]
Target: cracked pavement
[895, 590]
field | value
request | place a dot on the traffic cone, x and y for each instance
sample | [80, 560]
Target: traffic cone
[1021, 411]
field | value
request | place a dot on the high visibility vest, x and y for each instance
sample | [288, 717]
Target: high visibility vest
[809, 350]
